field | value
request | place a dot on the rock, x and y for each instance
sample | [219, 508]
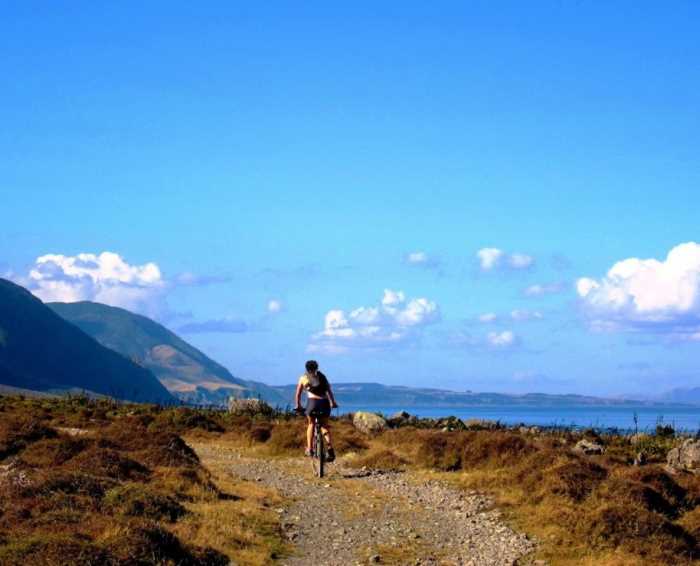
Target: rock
[375, 559]
[480, 424]
[640, 459]
[638, 438]
[403, 415]
[368, 423]
[589, 447]
[685, 457]
[401, 418]
[248, 407]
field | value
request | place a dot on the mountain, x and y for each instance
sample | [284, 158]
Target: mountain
[377, 395]
[689, 395]
[41, 351]
[184, 370]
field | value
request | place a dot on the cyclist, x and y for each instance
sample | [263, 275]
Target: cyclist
[320, 400]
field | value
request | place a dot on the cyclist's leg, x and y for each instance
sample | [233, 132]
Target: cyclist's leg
[326, 430]
[309, 432]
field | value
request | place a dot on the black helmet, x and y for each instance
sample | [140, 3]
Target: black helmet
[311, 365]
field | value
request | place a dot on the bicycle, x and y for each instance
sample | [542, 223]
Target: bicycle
[318, 448]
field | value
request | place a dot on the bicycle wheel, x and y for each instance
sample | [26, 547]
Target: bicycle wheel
[320, 452]
[314, 451]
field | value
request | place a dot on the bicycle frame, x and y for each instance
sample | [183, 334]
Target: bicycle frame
[318, 458]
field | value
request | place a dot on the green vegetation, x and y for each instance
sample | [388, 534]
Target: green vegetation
[104, 483]
[44, 352]
[182, 368]
[108, 482]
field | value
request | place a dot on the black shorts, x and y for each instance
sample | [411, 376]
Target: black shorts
[321, 407]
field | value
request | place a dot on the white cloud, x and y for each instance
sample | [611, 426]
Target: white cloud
[421, 259]
[489, 258]
[521, 315]
[488, 317]
[395, 321]
[520, 261]
[274, 306]
[104, 278]
[539, 290]
[648, 294]
[504, 339]
[494, 258]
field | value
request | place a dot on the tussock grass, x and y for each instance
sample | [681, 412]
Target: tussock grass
[119, 494]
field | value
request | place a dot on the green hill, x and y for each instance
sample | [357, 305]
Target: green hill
[181, 368]
[41, 351]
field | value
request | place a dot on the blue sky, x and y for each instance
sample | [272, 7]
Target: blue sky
[299, 153]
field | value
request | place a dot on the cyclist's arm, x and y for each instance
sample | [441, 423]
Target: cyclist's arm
[331, 397]
[297, 395]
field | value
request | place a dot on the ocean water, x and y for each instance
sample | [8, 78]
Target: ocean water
[686, 419]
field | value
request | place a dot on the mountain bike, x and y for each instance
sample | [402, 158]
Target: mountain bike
[318, 448]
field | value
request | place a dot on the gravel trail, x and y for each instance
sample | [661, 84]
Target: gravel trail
[355, 517]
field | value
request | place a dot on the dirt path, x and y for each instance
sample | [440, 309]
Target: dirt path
[354, 517]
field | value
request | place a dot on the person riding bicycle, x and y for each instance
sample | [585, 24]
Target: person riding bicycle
[320, 401]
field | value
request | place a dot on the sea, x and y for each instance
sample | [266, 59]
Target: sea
[622, 418]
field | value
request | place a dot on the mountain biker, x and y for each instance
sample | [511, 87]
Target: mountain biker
[320, 400]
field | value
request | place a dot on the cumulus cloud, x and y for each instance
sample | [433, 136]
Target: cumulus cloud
[496, 341]
[421, 259]
[542, 289]
[523, 315]
[105, 278]
[491, 259]
[274, 306]
[504, 339]
[488, 317]
[648, 294]
[189, 279]
[396, 320]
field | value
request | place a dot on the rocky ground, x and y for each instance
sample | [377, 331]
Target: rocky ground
[360, 517]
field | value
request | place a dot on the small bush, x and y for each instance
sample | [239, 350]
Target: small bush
[260, 433]
[53, 549]
[575, 479]
[19, 432]
[384, 460]
[54, 451]
[138, 500]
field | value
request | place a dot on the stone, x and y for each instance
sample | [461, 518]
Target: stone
[375, 559]
[588, 447]
[248, 407]
[368, 423]
[638, 438]
[685, 457]
[402, 415]
[640, 459]
[480, 424]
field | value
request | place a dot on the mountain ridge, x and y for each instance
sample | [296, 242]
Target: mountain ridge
[41, 351]
[184, 370]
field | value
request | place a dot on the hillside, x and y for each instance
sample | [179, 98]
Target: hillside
[184, 370]
[379, 395]
[41, 351]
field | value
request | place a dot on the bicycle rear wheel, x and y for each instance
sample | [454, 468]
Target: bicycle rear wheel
[319, 457]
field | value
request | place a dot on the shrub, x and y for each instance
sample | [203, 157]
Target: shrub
[138, 500]
[53, 451]
[18, 432]
[575, 479]
[260, 433]
[385, 460]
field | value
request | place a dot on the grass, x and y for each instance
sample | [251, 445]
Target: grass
[124, 488]
[132, 488]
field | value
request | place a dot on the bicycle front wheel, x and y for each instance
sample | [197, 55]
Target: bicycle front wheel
[319, 458]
